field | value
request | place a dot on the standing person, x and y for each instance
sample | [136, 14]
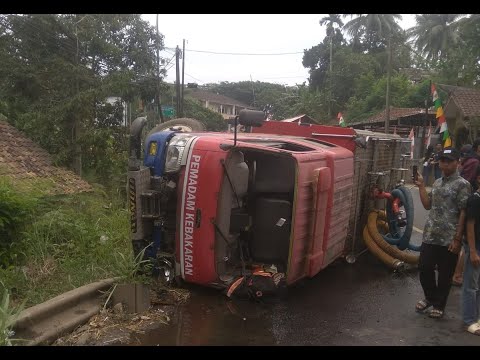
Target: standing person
[443, 232]
[458, 274]
[469, 166]
[471, 288]
[434, 161]
[427, 167]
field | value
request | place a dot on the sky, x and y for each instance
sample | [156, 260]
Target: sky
[285, 34]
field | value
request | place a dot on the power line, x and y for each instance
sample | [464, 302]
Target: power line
[242, 54]
[194, 78]
[285, 77]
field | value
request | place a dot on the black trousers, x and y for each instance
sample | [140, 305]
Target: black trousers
[436, 257]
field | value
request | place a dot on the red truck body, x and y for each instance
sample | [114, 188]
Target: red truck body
[280, 203]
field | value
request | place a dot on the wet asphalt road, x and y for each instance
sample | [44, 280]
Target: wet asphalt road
[346, 304]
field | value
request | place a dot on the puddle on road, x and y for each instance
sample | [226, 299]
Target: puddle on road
[210, 318]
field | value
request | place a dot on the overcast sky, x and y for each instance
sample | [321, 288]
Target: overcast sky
[246, 34]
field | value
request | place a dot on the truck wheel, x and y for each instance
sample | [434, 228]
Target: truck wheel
[180, 124]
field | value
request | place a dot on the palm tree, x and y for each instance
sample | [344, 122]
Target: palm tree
[331, 20]
[374, 26]
[434, 34]
[377, 27]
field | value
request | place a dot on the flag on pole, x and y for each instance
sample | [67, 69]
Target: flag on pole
[411, 136]
[442, 121]
[341, 122]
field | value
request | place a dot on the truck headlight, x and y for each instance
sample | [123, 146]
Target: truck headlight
[175, 150]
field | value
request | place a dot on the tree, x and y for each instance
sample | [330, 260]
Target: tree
[370, 31]
[57, 70]
[376, 29]
[434, 34]
[331, 21]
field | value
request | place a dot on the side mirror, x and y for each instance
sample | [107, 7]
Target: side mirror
[251, 118]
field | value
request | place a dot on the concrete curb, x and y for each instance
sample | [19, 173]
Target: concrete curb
[44, 323]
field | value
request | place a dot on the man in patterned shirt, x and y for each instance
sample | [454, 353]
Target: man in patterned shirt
[443, 232]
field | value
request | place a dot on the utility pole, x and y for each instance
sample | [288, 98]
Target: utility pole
[253, 90]
[330, 77]
[389, 65]
[183, 76]
[422, 148]
[76, 127]
[177, 82]
[159, 102]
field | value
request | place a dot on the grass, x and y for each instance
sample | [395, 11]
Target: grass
[69, 241]
[8, 315]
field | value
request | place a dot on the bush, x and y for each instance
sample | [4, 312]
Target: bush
[15, 210]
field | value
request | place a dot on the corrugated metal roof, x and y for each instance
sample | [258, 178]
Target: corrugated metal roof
[22, 159]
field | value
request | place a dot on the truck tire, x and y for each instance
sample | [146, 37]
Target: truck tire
[180, 124]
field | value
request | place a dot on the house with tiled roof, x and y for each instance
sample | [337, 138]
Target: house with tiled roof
[221, 104]
[22, 160]
[462, 109]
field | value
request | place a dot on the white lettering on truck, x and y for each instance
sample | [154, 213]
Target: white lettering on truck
[189, 213]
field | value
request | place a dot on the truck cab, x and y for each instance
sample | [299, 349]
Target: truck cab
[212, 208]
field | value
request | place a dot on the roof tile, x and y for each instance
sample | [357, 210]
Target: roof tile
[22, 159]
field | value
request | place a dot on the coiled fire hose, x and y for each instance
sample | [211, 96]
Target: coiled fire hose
[384, 246]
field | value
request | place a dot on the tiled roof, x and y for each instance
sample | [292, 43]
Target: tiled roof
[216, 98]
[395, 113]
[22, 159]
[466, 99]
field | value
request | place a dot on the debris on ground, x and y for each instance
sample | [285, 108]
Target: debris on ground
[113, 326]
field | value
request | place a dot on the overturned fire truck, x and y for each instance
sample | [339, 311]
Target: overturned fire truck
[248, 212]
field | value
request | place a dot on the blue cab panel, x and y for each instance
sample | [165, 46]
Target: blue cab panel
[157, 161]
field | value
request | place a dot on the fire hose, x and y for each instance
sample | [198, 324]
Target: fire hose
[385, 247]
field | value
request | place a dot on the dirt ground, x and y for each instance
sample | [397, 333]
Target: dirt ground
[113, 326]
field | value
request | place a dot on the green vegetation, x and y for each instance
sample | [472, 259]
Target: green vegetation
[65, 242]
[57, 71]
[8, 316]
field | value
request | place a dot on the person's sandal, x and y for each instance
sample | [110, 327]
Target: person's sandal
[422, 305]
[436, 314]
[474, 329]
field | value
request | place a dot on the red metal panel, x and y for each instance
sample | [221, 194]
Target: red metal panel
[334, 206]
[302, 213]
[197, 235]
[321, 185]
[336, 135]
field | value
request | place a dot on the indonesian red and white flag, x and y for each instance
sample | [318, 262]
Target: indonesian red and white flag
[341, 121]
[411, 136]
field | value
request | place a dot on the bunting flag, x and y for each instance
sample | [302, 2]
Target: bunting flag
[341, 122]
[411, 136]
[442, 121]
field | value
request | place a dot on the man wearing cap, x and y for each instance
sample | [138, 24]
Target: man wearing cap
[442, 235]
